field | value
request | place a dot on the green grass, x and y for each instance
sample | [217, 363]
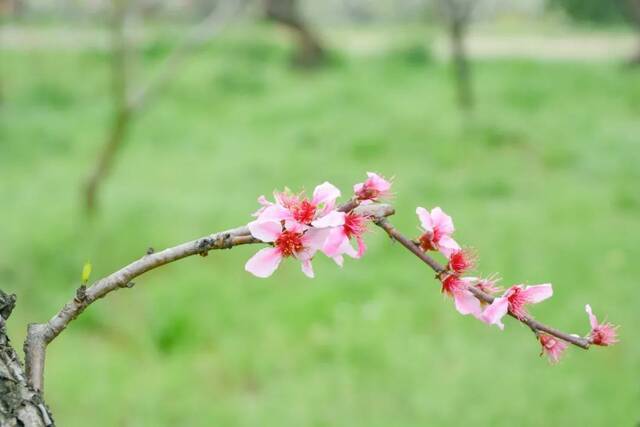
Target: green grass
[542, 180]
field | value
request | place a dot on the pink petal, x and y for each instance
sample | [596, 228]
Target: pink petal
[332, 219]
[378, 182]
[361, 247]
[326, 193]
[466, 303]
[537, 293]
[334, 242]
[447, 246]
[265, 231]
[307, 268]
[425, 218]
[264, 262]
[339, 259]
[358, 187]
[592, 317]
[442, 221]
[315, 238]
[275, 213]
[495, 312]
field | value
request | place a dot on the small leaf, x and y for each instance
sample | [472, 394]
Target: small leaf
[86, 272]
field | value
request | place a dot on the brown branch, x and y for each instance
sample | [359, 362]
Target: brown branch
[41, 334]
[533, 324]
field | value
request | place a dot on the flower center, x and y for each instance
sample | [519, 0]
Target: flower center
[289, 243]
[429, 240]
[452, 284]
[517, 302]
[354, 225]
[304, 212]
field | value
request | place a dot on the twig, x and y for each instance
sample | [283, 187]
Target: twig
[533, 324]
[39, 335]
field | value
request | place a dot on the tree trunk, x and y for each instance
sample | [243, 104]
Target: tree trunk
[122, 113]
[20, 405]
[310, 52]
[632, 12]
[462, 69]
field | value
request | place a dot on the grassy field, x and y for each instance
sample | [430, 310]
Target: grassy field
[542, 180]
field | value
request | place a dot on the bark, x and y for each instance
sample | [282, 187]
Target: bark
[20, 405]
[310, 52]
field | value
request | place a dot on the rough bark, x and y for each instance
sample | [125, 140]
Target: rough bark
[20, 405]
[310, 52]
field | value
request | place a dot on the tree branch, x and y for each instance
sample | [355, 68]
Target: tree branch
[533, 324]
[39, 335]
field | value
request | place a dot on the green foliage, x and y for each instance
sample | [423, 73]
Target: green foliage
[596, 11]
[542, 182]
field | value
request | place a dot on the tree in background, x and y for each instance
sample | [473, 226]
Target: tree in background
[457, 17]
[310, 52]
[603, 12]
[632, 9]
[129, 101]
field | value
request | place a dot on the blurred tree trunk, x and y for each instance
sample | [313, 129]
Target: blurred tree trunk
[310, 52]
[121, 110]
[20, 405]
[633, 13]
[457, 16]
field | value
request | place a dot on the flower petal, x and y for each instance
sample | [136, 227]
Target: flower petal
[378, 182]
[266, 231]
[447, 246]
[537, 293]
[275, 212]
[332, 219]
[495, 312]
[339, 259]
[307, 268]
[334, 242]
[315, 238]
[442, 221]
[361, 247]
[326, 193]
[593, 321]
[264, 262]
[425, 218]
[466, 303]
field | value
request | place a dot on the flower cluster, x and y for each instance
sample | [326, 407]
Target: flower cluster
[437, 230]
[300, 227]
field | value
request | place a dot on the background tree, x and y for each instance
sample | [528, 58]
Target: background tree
[309, 52]
[129, 101]
[456, 15]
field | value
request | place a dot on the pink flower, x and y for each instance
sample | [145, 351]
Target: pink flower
[438, 228]
[464, 300]
[552, 347]
[514, 300]
[601, 333]
[373, 188]
[339, 239]
[297, 241]
[293, 208]
[461, 260]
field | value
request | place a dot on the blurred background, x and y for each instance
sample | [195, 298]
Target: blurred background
[128, 125]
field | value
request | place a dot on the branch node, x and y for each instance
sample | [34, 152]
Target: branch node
[150, 250]
[81, 294]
